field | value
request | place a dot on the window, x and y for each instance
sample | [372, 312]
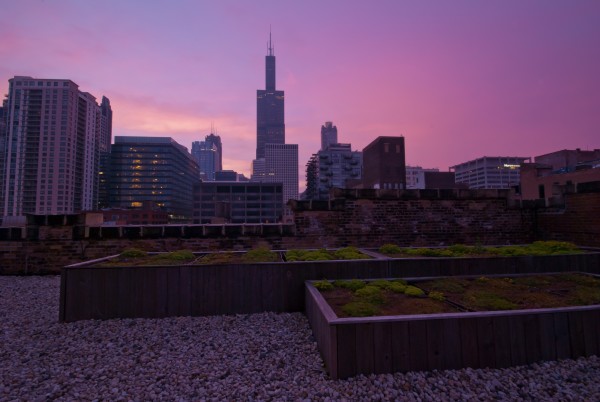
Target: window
[386, 147]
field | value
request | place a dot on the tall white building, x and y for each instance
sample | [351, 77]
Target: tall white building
[490, 172]
[50, 149]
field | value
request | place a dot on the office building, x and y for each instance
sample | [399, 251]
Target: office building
[384, 164]
[281, 166]
[557, 173]
[208, 154]
[415, 176]
[152, 169]
[270, 126]
[104, 142]
[50, 148]
[237, 202]
[489, 172]
[329, 135]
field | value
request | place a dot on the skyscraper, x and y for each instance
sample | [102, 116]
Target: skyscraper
[270, 126]
[50, 148]
[328, 135]
[281, 166]
[209, 156]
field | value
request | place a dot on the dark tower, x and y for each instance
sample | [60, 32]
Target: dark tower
[270, 125]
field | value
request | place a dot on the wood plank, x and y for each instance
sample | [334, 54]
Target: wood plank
[62, 302]
[417, 338]
[533, 352]
[400, 347]
[576, 334]
[112, 293]
[502, 341]
[435, 344]
[162, 291]
[382, 347]
[547, 337]
[185, 289]
[451, 349]
[468, 345]
[346, 351]
[365, 362]
[561, 335]
[516, 327]
[485, 341]
[591, 332]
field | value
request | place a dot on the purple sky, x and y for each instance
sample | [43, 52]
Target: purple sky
[459, 79]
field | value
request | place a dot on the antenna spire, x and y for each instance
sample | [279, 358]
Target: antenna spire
[270, 47]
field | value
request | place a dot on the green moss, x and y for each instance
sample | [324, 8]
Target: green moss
[179, 255]
[402, 281]
[447, 285]
[397, 287]
[490, 301]
[359, 309]
[413, 291]
[390, 249]
[371, 294]
[216, 258]
[349, 253]
[261, 254]
[439, 296]
[351, 284]
[308, 255]
[587, 295]
[133, 253]
[381, 283]
[323, 285]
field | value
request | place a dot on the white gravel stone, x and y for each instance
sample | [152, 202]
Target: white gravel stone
[244, 358]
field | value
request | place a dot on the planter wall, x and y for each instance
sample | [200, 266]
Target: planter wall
[89, 292]
[352, 346]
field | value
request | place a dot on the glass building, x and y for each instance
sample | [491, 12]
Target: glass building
[152, 169]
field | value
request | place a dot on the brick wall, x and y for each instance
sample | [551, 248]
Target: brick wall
[363, 218]
[578, 222]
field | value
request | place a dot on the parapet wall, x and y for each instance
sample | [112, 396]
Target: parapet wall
[362, 218]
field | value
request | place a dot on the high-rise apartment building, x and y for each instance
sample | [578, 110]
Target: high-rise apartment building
[490, 172]
[384, 164]
[331, 166]
[104, 151]
[154, 170]
[49, 148]
[328, 135]
[270, 125]
[209, 155]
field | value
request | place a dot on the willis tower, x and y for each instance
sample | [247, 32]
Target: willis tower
[270, 126]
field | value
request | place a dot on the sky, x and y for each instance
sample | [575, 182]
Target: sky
[458, 79]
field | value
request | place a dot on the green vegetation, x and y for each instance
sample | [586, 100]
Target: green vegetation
[381, 283]
[347, 253]
[439, 296]
[323, 285]
[371, 294]
[461, 250]
[490, 301]
[261, 254]
[413, 291]
[352, 284]
[359, 309]
[397, 287]
[448, 285]
[133, 253]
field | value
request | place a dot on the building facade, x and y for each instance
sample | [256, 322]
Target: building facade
[415, 176]
[490, 172]
[50, 148]
[237, 202]
[281, 166]
[154, 170]
[384, 164]
[331, 168]
[208, 154]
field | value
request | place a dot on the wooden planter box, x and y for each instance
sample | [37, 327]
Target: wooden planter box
[92, 292]
[352, 346]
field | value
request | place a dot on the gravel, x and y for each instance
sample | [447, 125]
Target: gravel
[245, 357]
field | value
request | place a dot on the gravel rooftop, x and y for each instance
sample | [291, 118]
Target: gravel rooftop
[245, 357]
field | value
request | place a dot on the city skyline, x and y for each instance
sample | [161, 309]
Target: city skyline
[459, 80]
